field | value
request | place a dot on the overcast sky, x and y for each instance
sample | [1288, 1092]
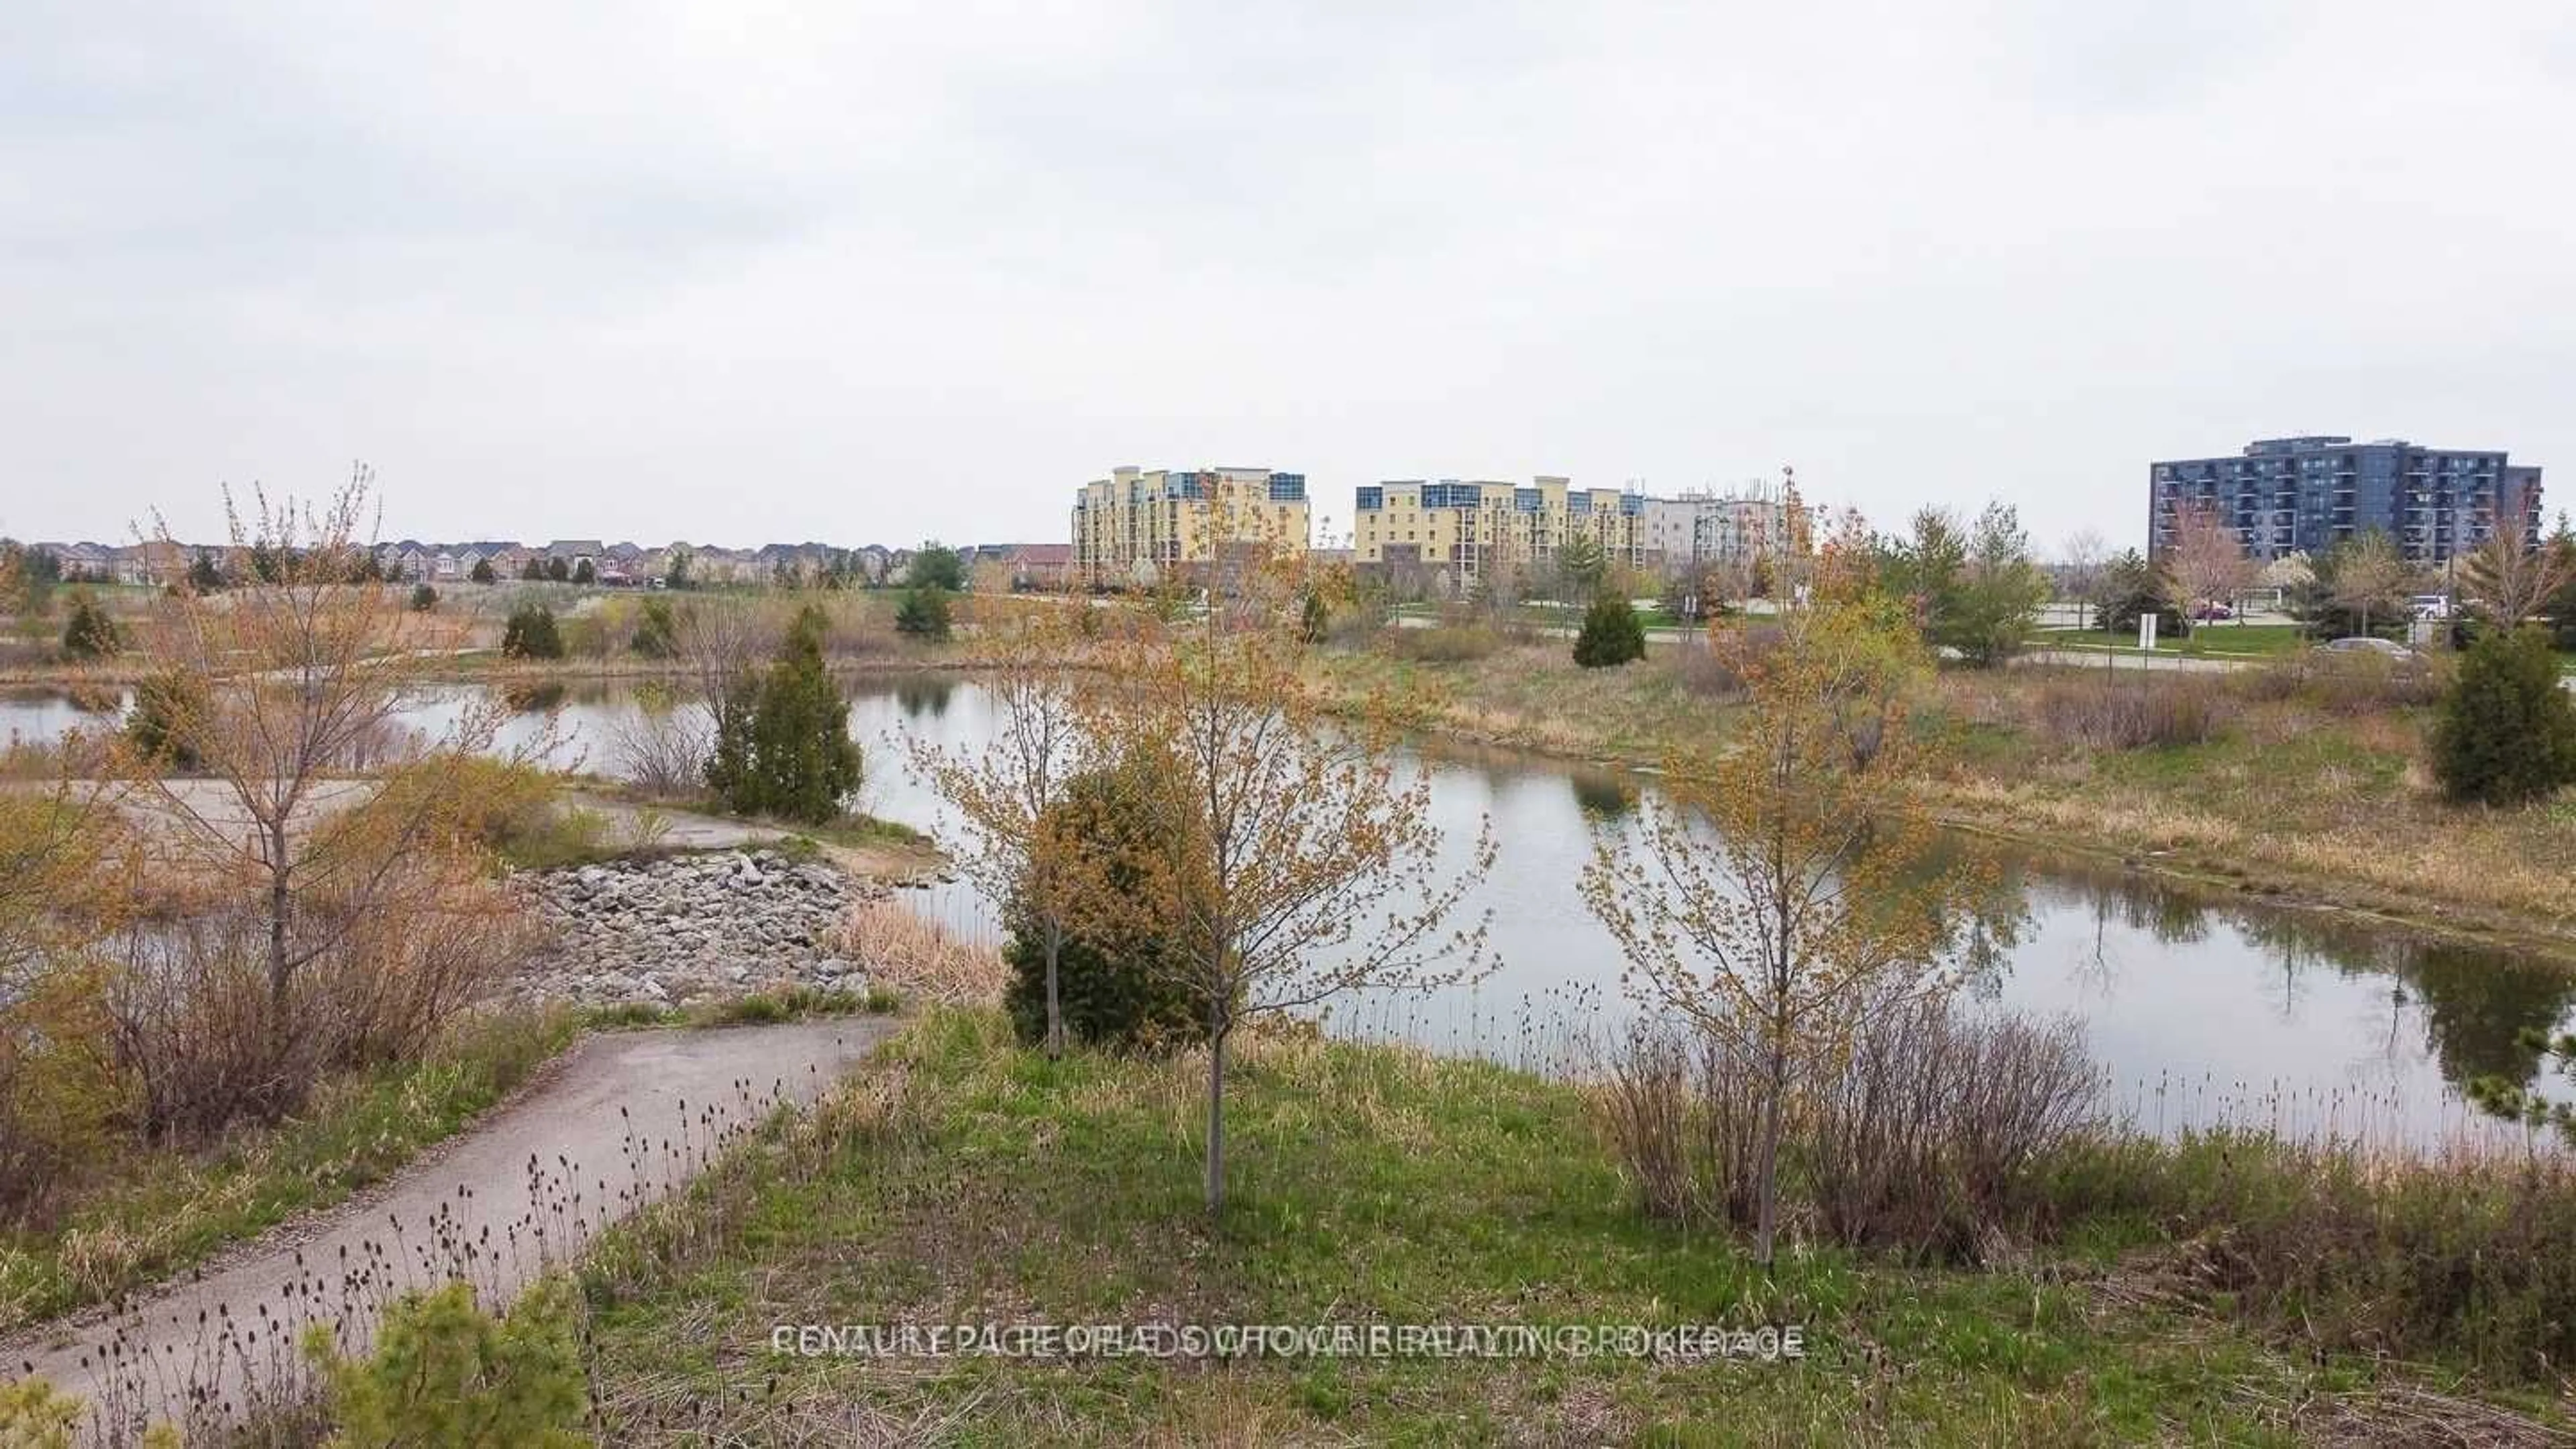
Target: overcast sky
[863, 272]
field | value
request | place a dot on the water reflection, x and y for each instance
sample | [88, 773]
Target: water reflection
[2192, 1000]
[923, 696]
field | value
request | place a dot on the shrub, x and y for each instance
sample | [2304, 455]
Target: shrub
[1612, 634]
[1112, 983]
[2133, 712]
[923, 615]
[90, 633]
[531, 634]
[789, 753]
[1928, 1138]
[2507, 731]
[170, 712]
[36, 1415]
[2345, 684]
[657, 632]
[1315, 622]
[446, 1372]
[61, 1094]
[1443, 643]
[2470, 1259]
[1934, 1132]
[482, 573]
[423, 598]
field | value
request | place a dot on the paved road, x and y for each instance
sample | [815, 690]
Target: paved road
[620, 1122]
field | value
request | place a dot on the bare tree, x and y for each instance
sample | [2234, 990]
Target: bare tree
[1293, 861]
[1007, 795]
[2083, 566]
[2205, 563]
[1781, 894]
[2513, 574]
[280, 688]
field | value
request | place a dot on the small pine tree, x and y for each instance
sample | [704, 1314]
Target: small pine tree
[446, 1372]
[1317, 624]
[923, 614]
[1117, 986]
[531, 634]
[533, 571]
[482, 573]
[790, 754]
[2507, 732]
[204, 574]
[584, 573]
[169, 720]
[423, 598]
[657, 633]
[557, 571]
[1612, 634]
[90, 633]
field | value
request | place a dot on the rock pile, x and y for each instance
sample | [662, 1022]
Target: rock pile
[670, 930]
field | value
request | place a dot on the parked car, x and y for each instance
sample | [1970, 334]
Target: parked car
[2209, 612]
[2431, 606]
[2397, 656]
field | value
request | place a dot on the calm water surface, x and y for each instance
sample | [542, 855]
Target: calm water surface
[2200, 1006]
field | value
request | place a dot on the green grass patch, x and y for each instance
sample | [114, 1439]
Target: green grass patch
[966, 1181]
[157, 1211]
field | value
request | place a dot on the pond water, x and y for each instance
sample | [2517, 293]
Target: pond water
[2201, 1006]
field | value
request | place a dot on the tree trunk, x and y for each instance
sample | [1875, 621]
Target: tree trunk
[1216, 1111]
[1766, 1211]
[1054, 998]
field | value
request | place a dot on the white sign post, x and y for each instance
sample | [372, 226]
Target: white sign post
[2147, 630]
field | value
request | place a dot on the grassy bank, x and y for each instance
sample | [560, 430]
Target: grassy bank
[148, 1213]
[2295, 792]
[966, 1182]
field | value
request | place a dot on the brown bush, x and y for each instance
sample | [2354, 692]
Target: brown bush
[1443, 643]
[61, 1095]
[1926, 1140]
[187, 1000]
[1929, 1139]
[1673, 1105]
[2137, 711]
[2346, 684]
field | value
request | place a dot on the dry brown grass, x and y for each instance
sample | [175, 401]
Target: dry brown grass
[921, 958]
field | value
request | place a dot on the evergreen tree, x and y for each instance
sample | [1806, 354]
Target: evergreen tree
[791, 756]
[657, 633]
[169, 719]
[1318, 620]
[531, 634]
[2507, 731]
[533, 571]
[937, 566]
[923, 614]
[2131, 589]
[90, 633]
[1612, 634]
[557, 571]
[423, 598]
[1116, 984]
[204, 574]
[583, 573]
[482, 573]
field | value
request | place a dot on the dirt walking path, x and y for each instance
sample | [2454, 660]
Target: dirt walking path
[621, 1121]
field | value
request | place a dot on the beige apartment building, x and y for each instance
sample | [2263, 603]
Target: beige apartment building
[1468, 528]
[1136, 526]
[1704, 529]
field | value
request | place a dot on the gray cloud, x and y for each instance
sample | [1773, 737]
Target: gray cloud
[882, 271]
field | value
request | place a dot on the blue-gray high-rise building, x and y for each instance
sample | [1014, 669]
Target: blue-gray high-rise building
[2304, 495]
